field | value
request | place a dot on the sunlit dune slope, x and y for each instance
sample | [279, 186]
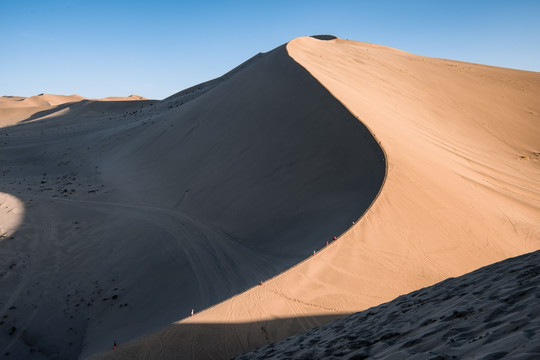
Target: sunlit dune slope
[462, 140]
[462, 191]
[137, 212]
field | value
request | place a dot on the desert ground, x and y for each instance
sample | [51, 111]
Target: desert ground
[121, 215]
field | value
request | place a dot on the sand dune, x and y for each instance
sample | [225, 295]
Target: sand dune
[462, 192]
[139, 211]
[132, 213]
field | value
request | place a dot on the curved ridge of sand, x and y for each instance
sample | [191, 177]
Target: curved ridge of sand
[462, 192]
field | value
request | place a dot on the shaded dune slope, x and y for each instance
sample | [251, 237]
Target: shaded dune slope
[138, 211]
[461, 192]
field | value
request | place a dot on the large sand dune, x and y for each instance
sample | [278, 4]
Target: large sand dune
[125, 215]
[462, 191]
[118, 217]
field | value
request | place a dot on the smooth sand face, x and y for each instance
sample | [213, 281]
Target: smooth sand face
[462, 191]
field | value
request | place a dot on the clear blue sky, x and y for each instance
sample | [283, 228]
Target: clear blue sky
[98, 48]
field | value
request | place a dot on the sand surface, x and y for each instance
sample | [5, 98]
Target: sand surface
[491, 313]
[136, 212]
[462, 191]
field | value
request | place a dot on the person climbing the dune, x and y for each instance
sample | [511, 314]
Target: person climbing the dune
[114, 345]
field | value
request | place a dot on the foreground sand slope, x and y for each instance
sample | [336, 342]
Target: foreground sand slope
[136, 212]
[462, 191]
[491, 313]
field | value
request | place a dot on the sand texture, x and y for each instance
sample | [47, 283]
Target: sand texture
[132, 213]
[469, 317]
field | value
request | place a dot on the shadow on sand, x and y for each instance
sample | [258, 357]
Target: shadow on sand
[207, 340]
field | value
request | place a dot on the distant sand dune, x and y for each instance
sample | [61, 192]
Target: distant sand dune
[123, 98]
[14, 109]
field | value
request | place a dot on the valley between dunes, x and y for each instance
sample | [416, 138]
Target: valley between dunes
[119, 217]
